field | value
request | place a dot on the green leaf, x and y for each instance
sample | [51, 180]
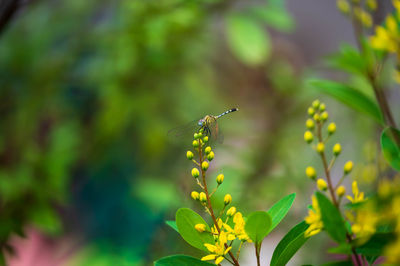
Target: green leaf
[338, 263]
[172, 224]
[375, 245]
[349, 59]
[258, 225]
[279, 210]
[331, 218]
[276, 17]
[349, 96]
[289, 245]
[186, 219]
[390, 150]
[248, 41]
[180, 260]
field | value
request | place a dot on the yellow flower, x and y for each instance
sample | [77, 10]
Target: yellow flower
[220, 179]
[337, 149]
[231, 211]
[310, 172]
[200, 227]
[218, 250]
[204, 166]
[238, 229]
[195, 172]
[365, 224]
[227, 199]
[313, 219]
[358, 196]
[321, 184]
[195, 195]
[203, 197]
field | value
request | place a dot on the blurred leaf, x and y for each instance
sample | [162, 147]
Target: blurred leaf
[339, 263]
[390, 150]
[186, 219]
[349, 96]
[332, 219]
[180, 260]
[248, 41]
[275, 17]
[172, 224]
[289, 245]
[375, 245]
[343, 248]
[348, 59]
[279, 210]
[46, 219]
[258, 225]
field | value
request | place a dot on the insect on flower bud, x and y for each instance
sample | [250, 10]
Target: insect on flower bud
[310, 123]
[311, 173]
[308, 136]
[337, 149]
[316, 104]
[200, 227]
[195, 143]
[231, 211]
[205, 139]
[210, 156]
[324, 116]
[207, 150]
[340, 191]
[189, 155]
[321, 184]
[204, 166]
[220, 179]
[317, 117]
[322, 107]
[320, 147]
[227, 199]
[195, 195]
[310, 111]
[202, 197]
[331, 128]
[195, 173]
[348, 166]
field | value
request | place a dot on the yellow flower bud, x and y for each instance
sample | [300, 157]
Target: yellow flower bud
[210, 156]
[311, 173]
[207, 149]
[200, 135]
[227, 199]
[203, 197]
[321, 184]
[316, 104]
[195, 195]
[204, 166]
[308, 136]
[337, 149]
[195, 172]
[340, 191]
[320, 147]
[372, 5]
[231, 211]
[205, 139]
[310, 124]
[195, 143]
[348, 166]
[322, 107]
[331, 128]
[310, 111]
[324, 116]
[343, 6]
[200, 227]
[317, 117]
[220, 179]
[189, 155]
[196, 135]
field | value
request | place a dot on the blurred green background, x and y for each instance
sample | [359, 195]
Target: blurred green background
[89, 90]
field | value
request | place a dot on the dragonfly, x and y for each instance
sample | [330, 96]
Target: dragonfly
[208, 123]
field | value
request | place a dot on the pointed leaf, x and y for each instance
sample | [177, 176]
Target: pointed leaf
[289, 245]
[172, 224]
[279, 210]
[186, 219]
[180, 260]
[390, 150]
[331, 218]
[258, 225]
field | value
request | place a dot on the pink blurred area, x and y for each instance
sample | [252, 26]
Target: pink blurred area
[37, 249]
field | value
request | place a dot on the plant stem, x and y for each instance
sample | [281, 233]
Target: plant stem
[257, 254]
[203, 175]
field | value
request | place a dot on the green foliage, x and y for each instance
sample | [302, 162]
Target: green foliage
[339, 263]
[180, 260]
[172, 224]
[289, 245]
[348, 59]
[390, 150]
[186, 219]
[279, 210]
[349, 96]
[247, 39]
[332, 219]
[258, 226]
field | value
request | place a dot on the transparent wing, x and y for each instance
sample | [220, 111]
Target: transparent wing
[215, 133]
[183, 131]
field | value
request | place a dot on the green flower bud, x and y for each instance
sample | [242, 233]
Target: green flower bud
[324, 116]
[311, 111]
[322, 107]
[195, 172]
[195, 143]
[317, 117]
[207, 150]
[204, 166]
[340, 191]
[315, 104]
[210, 156]
[348, 166]
[227, 199]
[196, 136]
[331, 128]
[189, 155]
[203, 197]
[205, 139]
[321, 184]
[200, 134]
[310, 124]
[220, 179]
[320, 147]
[337, 149]
[308, 136]
[311, 173]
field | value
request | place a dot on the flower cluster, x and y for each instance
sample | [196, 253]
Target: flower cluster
[315, 127]
[354, 9]
[229, 224]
